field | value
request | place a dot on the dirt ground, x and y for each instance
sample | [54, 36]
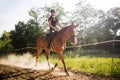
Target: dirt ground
[10, 72]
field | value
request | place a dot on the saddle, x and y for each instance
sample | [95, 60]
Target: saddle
[50, 36]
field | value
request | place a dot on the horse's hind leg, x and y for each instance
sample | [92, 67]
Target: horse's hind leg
[56, 63]
[48, 58]
[39, 51]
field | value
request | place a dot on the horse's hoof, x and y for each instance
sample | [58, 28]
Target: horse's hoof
[52, 69]
[67, 74]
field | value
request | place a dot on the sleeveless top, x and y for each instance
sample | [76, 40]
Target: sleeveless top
[53, 21]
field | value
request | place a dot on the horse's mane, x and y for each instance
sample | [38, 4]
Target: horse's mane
[63, 29]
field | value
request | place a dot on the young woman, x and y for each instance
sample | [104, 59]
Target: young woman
[53, 22]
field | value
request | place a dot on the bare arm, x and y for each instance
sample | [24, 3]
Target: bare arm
[59, 24]
[49, 21]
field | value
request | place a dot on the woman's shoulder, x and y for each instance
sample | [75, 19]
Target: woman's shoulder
[50, 18]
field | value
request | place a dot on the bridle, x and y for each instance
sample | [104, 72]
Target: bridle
[72, 36]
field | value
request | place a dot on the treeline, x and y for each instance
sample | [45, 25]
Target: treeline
[95, 25]
[24, 34]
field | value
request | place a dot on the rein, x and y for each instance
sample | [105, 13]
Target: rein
[72, 36]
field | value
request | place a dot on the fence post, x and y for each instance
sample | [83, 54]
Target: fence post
[112, 63]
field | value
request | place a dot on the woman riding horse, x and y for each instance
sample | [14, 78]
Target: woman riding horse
[58, 43]
[53, 21]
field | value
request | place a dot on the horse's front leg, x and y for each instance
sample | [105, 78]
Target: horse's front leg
[56, 65]
[63, 62]
[61, 58]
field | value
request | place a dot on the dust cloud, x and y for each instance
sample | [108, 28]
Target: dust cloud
[24, 61]
[28, 61]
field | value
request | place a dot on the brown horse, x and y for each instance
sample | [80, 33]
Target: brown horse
[58, 44]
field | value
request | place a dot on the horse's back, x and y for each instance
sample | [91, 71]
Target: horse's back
[40, 37]
[42, 41]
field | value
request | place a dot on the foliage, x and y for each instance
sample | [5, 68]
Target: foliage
[25, 34]
[5, 42]
[96, 25]
[34, 13]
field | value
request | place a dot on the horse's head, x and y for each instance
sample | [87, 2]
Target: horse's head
[73, 34]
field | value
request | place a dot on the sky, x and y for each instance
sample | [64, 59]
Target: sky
[13, 11]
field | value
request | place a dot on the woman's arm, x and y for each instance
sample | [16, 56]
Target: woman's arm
[59, 24]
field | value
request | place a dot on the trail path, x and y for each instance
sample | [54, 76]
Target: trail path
[22, 68]
[9, 72]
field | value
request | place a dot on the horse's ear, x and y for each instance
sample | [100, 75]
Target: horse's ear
[72, 23]
[77, 25]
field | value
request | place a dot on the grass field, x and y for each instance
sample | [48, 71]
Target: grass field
[95, 62]
[97, 65]
[94, 65]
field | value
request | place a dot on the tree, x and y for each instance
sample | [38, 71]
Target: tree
[5, 42]
[17, 35]
[25, 33]
[96, 25]
[113, 20]
[86, 16]
[34, 13]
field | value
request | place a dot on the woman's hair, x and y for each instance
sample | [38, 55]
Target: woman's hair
[52, 10]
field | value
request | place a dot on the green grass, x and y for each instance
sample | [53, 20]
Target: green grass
[91, 61]
[95, 65]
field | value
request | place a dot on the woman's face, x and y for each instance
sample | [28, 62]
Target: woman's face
[53, 13]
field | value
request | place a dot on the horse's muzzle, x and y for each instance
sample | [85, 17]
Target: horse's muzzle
[74, 41]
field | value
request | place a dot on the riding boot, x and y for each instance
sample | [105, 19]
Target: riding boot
[49, 43]
[52, 35]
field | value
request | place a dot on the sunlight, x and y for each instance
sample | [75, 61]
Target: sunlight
[66, 6]
[104, 4]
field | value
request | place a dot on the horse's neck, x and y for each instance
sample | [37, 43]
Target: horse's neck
[64, 35]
